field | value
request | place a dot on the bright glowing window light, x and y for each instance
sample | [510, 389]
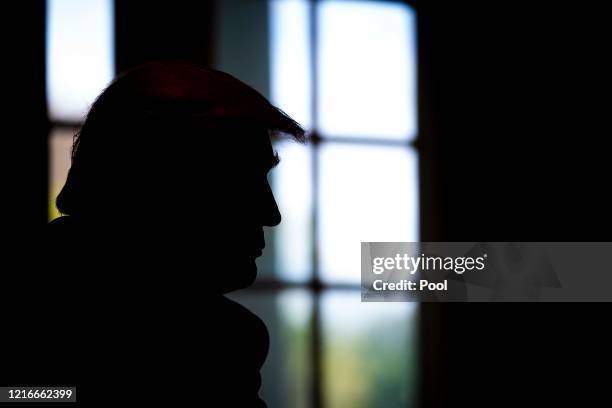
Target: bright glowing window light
[367, 194]
[292, 189]
[372, 343]
[80, 55]
[290, 63]
[366, 69]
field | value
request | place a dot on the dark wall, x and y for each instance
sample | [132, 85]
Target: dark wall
[516, 121]
[24, 185]
[25, 127]
[513, 150]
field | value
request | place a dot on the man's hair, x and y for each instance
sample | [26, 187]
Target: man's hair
[146, 98]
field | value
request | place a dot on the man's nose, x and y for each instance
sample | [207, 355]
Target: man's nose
[271, 216]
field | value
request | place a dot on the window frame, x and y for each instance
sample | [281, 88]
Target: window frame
[314, 285]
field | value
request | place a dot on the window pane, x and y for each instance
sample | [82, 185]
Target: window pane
[60, 145]
[366, 63]
[367, 193]
[290, 62]
[292, 187]
[285, 373]
[368, 352]
[80, 61]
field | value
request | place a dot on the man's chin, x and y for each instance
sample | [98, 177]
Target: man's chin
[239, 276]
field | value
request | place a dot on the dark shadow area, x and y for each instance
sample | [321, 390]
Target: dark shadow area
[512, 120]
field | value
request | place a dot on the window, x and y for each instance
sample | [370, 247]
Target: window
[80, 63]
[346, 70]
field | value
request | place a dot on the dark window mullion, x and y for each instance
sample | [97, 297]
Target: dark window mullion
[355, 140]
[317, 376]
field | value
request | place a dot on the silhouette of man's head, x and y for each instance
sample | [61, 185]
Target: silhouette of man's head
[176, 157]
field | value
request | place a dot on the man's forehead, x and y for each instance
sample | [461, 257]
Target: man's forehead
[247, 143]
[235, 126]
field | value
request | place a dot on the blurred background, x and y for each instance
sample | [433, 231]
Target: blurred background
[429, 120]
[346, 71]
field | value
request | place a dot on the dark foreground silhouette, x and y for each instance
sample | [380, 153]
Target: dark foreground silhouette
[164, 205]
